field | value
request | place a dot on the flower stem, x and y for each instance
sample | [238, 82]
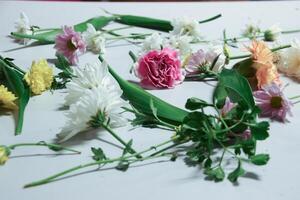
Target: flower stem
[210, 19]
[51, 146]
[295, 97]
[248, 55]
[55, 176]
[107, 128]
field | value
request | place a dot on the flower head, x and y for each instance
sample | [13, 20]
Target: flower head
[7, 99]
[201, 60]
[4, 153]
[251, 30]
[185, 26]
[40, 77]
[70, 44]
[94, 39]
[96, 101]
[88, 77]
[262, 57]
[22, 26]
[152, 42]
[272, 33]
[160, 69]
[272, 102]
[228, 106]
[180, 42]
[289, 62]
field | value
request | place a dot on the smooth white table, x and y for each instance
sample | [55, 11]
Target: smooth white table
[162, 180]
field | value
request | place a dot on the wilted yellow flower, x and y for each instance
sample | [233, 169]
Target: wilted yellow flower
[7, 98]
[3, 155]
[40, 76]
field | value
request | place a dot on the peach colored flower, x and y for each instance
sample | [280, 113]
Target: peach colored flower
[262, 57]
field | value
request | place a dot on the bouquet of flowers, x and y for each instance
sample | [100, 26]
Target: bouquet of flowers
[226, 128]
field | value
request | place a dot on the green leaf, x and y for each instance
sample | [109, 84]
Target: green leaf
[237, 87]
[123, 166]
[48, 37]
[194, 121]
[151, 23]
[195, 103]
[23, 101]
[239, 171]
[217, 174]
[98, 154]
[260, 130]
[140, 100]
[128, 148]
[219, 96]
[260, 159]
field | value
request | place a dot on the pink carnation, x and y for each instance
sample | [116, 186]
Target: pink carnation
[70, 44]
[160, 69]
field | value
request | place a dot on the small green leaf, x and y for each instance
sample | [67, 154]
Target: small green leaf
[217, 174]
[260, 159]
[98, 154]
[219, 96]
[128, 147]
[260, 130]
[195, 103]
[239, 171]
[123, 166]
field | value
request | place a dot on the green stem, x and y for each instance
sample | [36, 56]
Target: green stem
[43, 144]
[210, 19]
[107, 128]
[248, 55]
[295, 97]
[127, 37]
[53, 177]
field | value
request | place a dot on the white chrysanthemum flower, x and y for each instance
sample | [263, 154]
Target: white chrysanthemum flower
[272, 33]
[182, 43]
[22, 26]
[95, 102]
[185, 26]
[94, 39]
[152, 42]
[88, 77]
[214, 52]
[289, 60]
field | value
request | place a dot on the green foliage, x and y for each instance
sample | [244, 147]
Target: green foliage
[216, 174]
[260, 130]
[260, 159]
[234, 175]
[98, 154]
[195, 104]
[65, 75]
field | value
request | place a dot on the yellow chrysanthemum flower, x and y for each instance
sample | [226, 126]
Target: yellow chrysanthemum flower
[40, 76]
[3, 155]
[7, 98]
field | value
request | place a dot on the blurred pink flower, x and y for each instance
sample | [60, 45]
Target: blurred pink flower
[272, 102]
[227, 106]
[160, 69]
[70, 44]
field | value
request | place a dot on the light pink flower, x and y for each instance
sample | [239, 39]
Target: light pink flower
[160, 69]
[246, 135]
[227, 106]
[70, 44]
[272, 102]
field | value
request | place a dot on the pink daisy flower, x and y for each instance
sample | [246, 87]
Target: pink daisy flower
[70, 44]
[272, 102]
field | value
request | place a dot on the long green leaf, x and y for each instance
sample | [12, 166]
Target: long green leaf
[49, 36]
[152, 23]
[141, 100]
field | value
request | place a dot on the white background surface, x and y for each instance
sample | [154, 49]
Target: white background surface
[166, 180]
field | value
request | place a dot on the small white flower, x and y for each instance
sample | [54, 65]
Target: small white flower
[251, 30]
[272, 33]
[212, 53]
[98, 100]
[289, 62]
[94, 39]
[182, 43]
[152, 42]
[22, 26]
[186, 26]
[88, 77]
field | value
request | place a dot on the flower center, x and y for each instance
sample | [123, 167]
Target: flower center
[70, 45]
[276, 102]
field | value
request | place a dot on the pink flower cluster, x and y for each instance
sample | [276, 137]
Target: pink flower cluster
[70, 44]
[160, 69]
